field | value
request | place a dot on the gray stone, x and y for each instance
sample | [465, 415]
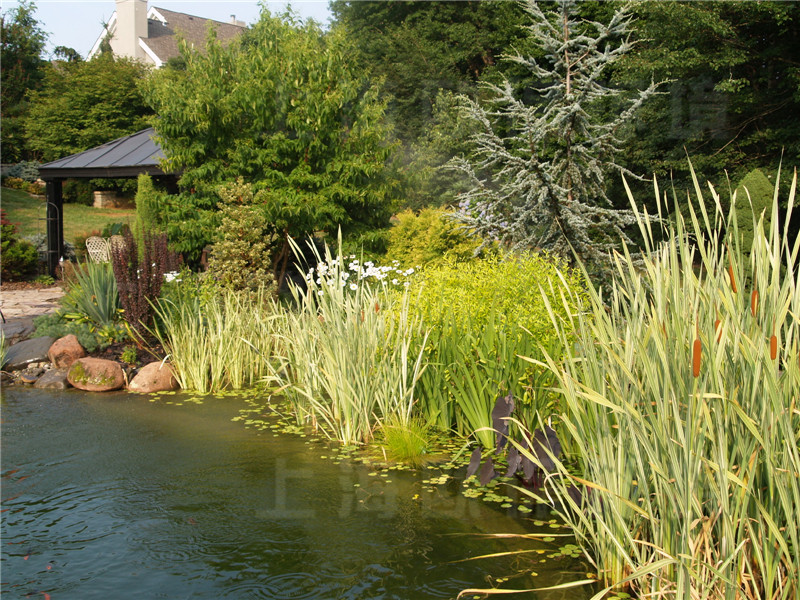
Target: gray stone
[30, 351]
[16, 330]
[54, 379]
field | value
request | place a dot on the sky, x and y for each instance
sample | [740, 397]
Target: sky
[78, 23]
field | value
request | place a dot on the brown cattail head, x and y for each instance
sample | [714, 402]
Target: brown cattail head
[697, 353]
[754, 302]
[733, 279]
[773, 347]
[718, 329]
[377, 307]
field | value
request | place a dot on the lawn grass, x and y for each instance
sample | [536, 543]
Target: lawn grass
[27, 212]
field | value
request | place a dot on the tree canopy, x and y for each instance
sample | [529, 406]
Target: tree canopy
[735, 86]
[84, 104]
[285, 109]
[421, 48]
[21, 50]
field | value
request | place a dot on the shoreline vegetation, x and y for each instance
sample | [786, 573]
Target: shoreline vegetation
[673, 391]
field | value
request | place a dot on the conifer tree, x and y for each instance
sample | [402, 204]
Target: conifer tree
[538, 171]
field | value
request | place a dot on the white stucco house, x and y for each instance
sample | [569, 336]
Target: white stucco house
[151, 34]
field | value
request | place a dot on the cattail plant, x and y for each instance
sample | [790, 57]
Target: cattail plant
[686, 450]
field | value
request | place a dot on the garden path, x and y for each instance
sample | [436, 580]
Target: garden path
[29, 302]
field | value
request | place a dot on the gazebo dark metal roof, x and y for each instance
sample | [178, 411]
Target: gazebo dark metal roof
[129, 156]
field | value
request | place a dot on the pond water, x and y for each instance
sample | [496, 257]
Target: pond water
[113, 496]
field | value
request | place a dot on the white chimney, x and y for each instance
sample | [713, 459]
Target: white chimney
[131, 25]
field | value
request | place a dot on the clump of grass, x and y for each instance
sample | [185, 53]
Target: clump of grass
[347, 360]
[93, 295]
[224, 341]
[406, 442]
[681, 403]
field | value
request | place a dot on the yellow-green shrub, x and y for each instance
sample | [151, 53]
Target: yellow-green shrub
[480, 316]
[428, 237]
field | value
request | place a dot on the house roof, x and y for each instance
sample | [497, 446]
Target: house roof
[128, 156]
[165, 27]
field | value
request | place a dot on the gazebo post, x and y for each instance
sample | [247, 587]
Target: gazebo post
[55, 224]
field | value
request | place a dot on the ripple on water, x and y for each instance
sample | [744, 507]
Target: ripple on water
[120, 498]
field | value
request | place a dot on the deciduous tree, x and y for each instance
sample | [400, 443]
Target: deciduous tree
[85, 104]
[286, 110]
[21, 58]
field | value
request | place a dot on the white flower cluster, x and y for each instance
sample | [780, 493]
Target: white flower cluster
[172, 276]
[333, 273]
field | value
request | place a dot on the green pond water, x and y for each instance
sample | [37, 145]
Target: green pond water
[114, 496]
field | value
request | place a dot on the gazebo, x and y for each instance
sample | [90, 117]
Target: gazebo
[126, 157]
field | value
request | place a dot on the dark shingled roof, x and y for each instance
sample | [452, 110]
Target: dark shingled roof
[126, 157]
[163, 38]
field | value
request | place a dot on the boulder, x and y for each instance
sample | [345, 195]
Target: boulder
[25, 353]
[154, 377]
[54, 379]
[96, 375]
[65, 351]
[16, 330]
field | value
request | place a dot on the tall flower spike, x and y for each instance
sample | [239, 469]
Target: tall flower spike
[773, 343]
[697, 353]
[733, 279]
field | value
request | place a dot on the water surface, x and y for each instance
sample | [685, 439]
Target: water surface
[113, 496]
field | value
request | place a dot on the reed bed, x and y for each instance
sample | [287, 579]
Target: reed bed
[225, 342]
[347, 363]
[681, 401]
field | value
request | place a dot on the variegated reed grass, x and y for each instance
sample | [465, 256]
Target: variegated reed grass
[347, 362]
[682, 400]
[225, 342]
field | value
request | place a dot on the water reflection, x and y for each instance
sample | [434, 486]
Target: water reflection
[114, 496]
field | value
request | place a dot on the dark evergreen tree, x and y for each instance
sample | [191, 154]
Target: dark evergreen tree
[421, 48]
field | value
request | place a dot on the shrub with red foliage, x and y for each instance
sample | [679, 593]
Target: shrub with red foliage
[139, 281]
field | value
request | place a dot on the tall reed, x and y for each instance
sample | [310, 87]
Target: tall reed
[221, 342]
[682, 400]
[347, 357]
